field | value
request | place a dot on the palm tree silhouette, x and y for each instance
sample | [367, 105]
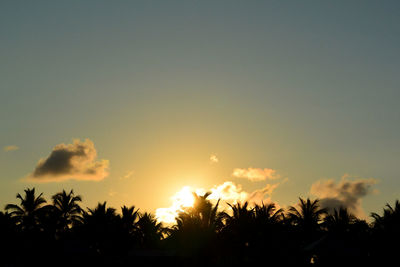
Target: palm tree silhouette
[129, 224]
[150, 231]
[203, 216]
[202, 234]
[27, 213]
[129, 218]
[67, 208]
[386, 233]
[340, 221]
[204, 210]
[196, 229]
[307, 216]
[306, 220]
[241, 213]
[102, 229]
[268, 225]
[267, 214]
[239, 232]
[390, 219]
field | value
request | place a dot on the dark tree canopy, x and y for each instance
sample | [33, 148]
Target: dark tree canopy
[204, 234]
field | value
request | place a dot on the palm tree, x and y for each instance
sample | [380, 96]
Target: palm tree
[150, 231]
[203, 216]
[340, 221]
[27, 213]
[239, 223]
[101, 215]
[196, 229]
[306, 220]
[267, 214]
[239, 232]
[129, 217]
[390, 219]
[67, 208]
[386, 233]
[102, 229]
[240, 212]
[204, 210]
[268, 225]
[307, 217]
[396, 210]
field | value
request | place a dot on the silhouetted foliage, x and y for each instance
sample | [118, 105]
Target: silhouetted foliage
[386, 234]
[307, 217]
[27, 213]
[150, 232]
[196, 228]
[67, 210]
[244, 234]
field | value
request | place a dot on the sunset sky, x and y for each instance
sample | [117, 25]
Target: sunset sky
[130, 101]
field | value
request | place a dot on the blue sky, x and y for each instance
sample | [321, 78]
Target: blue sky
[309, 89]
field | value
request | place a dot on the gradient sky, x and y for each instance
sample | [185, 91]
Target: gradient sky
[307, 88]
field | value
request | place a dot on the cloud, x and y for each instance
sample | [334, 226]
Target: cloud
[260, 195]
[10, 148]
[228, 191]
[77, 161]
[346, 193]
[214, 158]
[255, 174]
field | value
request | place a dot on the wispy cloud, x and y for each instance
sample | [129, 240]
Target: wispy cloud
[255, 174]
[345, 193]
[10, 148]
[77, 161]
[127, 175]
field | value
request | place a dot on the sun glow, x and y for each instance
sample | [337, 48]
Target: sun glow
[180, 201]
[184, 198]
[227, 192]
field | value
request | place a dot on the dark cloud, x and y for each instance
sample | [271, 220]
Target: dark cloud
[76, 161]
[346, 193]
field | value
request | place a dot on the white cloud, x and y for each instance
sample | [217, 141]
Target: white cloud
[228, 191]
[255, 174]
[214, 158]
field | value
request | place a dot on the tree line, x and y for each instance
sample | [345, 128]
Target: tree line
[61, 232]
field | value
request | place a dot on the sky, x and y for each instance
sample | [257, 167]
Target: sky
[130, 101]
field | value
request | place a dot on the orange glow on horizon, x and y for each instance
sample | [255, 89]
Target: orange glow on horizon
[184, 198]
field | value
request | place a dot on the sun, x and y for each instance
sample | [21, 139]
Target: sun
[184, 198]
